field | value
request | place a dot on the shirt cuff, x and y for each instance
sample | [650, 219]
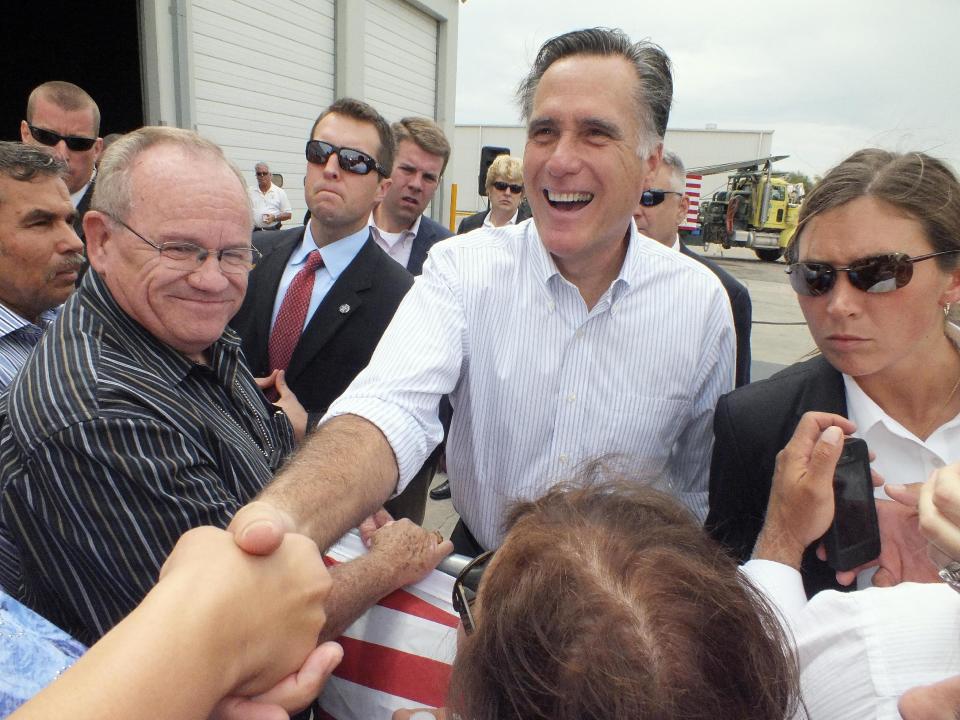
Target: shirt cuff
[781, 584]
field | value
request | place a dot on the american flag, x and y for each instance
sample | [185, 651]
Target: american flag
[396, 655]
[694, 183]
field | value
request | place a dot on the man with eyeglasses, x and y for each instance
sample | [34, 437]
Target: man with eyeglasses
[661, 210]
[323, 294]
[271, 206]
[558, 341]
[136, 418]
[64, 118]
[398, 223]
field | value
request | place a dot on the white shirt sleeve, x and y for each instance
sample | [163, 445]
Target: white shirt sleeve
[419, 359]
[284, 201]
[780, 584]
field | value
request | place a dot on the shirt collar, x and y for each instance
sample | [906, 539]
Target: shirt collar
[336, 256]
[11, 321]
[159, 356]
[511, 221]
[76, 197]
[386, 238]
[546, 268]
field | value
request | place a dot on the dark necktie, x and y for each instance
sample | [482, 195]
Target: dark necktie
[293, 313]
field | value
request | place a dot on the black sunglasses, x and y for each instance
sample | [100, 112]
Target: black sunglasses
[350, 160]
[501, 186]
[465, 589]
[261, 174]
[50, 138]
[651, 198]
[876, 274]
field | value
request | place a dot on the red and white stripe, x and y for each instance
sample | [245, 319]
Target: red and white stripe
[396, 655]
[694, 183]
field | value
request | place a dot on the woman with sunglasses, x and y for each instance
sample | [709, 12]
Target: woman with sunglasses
[874, 263]
[607, 600]
[504, 187]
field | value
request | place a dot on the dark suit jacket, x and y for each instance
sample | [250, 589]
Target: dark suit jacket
[742, 312]
[472, 222]
[82, 208]
[344, 331]
[750, 426]
[428, 234]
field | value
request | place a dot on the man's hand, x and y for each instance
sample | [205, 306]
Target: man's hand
[412, 551]
[903, 550]
[801, 507]
[938, 502]
[292, 694]
[286, 401]
[371, 524]
[258, 527]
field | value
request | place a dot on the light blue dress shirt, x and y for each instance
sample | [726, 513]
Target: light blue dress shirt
[336, 257]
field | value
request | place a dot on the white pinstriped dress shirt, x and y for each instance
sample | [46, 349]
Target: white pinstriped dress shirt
[539, 384]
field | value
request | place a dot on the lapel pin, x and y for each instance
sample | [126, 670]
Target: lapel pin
[344, 309]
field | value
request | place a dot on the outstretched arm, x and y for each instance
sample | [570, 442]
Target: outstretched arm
[218, 622]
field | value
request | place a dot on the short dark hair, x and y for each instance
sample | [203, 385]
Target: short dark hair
[359, 110]
[25, 162]
[428, 136]
[922, 187]
[608, 600]
[66, 96]
[654, 76]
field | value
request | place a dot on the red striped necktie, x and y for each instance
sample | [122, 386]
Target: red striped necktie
[293, 313]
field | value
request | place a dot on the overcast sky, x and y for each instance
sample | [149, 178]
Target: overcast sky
[827, 76]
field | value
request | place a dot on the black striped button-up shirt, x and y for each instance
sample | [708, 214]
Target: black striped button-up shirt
[112, 445]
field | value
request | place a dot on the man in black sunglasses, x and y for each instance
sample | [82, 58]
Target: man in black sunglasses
[663, 207]
[350, 286]
[65, 119]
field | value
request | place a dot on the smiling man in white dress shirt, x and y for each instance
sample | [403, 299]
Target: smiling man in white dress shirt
[558, 341]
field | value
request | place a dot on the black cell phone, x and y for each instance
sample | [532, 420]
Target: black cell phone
[854, 537]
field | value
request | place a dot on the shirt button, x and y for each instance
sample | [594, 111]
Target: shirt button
[579, 333]
[563, 458]
[551, 306]
[571, 397]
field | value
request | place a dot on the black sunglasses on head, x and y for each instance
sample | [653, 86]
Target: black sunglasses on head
[651, 198]
[350, 160]
[502, 186]
[875, 274]
[465, 589]
[50, 139]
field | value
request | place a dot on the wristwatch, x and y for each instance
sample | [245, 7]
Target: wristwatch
[951, 575]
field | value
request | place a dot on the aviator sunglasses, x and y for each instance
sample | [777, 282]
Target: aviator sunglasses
[465, 589]
[502, 186]
[350, 160]
[876, 274]
[50, 139]
[652, 198]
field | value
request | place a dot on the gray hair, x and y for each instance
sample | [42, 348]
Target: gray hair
[112, 192]
[654, 77]
[672, 161]
[262, 164]
[25, 162]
